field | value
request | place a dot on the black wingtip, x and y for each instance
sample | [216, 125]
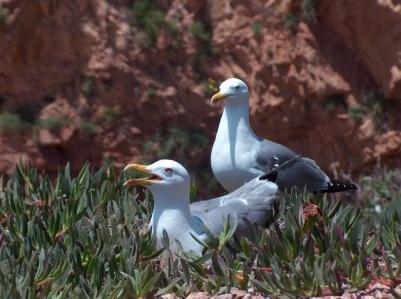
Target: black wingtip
[338, 186]
[271, 176]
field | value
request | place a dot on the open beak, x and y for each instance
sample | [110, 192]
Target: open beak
[218, 97]
[142, 181]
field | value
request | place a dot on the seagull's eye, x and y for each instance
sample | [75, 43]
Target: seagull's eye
[237, 87]
[168, 170]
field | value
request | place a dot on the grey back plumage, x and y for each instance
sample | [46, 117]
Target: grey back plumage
[253, 201]
[268, 149]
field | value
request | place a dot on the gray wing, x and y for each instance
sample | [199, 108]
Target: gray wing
[206, 205]
[294, 171]
[302, 173]
[253, 201]
[267, 150]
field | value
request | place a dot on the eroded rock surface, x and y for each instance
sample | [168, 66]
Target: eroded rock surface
[324, 80]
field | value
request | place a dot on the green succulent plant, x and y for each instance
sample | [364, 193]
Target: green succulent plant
[87, 236]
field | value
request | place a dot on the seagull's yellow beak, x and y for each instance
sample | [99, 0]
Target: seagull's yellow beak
[142, 181]
[218, 97]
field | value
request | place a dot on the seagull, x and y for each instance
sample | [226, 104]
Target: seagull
[169, 183]
[238, 155]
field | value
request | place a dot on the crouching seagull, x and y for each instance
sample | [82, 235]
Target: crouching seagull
[169, 183]
[238, 155]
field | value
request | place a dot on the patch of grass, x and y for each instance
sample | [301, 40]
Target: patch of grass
[377, 105]
[12, 123]
[172, 28]
[290, 21]
[88, 127]
[373, 105]
[20, 118]
[205, 52]
[304, 10]
[205, 48]
[334, 101]
[87, 86]
[3, 15]
[198, 31]
[149, 19]
[308, 9]
[357, 113]
[53, 123]
[270, 53]
[109, 115]
[151, 93]
[176, 36]
[257, 29]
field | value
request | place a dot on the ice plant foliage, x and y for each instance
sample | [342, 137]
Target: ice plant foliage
[87, 236]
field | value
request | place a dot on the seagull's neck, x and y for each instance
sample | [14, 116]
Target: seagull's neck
[234, 124]
[175, 203]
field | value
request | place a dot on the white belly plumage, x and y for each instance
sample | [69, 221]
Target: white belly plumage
[232, 174]
[234, 151]
[177, 228]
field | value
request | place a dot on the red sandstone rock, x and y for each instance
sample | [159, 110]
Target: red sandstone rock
[303, 81]
[372, 28]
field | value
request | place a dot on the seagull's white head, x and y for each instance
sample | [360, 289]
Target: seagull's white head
[163, 175]
[232, 91]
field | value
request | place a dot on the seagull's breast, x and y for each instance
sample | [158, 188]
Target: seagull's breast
[177, 227]
[232, 165]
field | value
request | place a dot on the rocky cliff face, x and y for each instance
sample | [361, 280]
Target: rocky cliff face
[127, 80]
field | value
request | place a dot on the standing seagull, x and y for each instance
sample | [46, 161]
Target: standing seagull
[169, 183]
[238, 155]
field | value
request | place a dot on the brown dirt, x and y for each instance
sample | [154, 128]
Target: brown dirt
[376, 290]
[328, 85]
